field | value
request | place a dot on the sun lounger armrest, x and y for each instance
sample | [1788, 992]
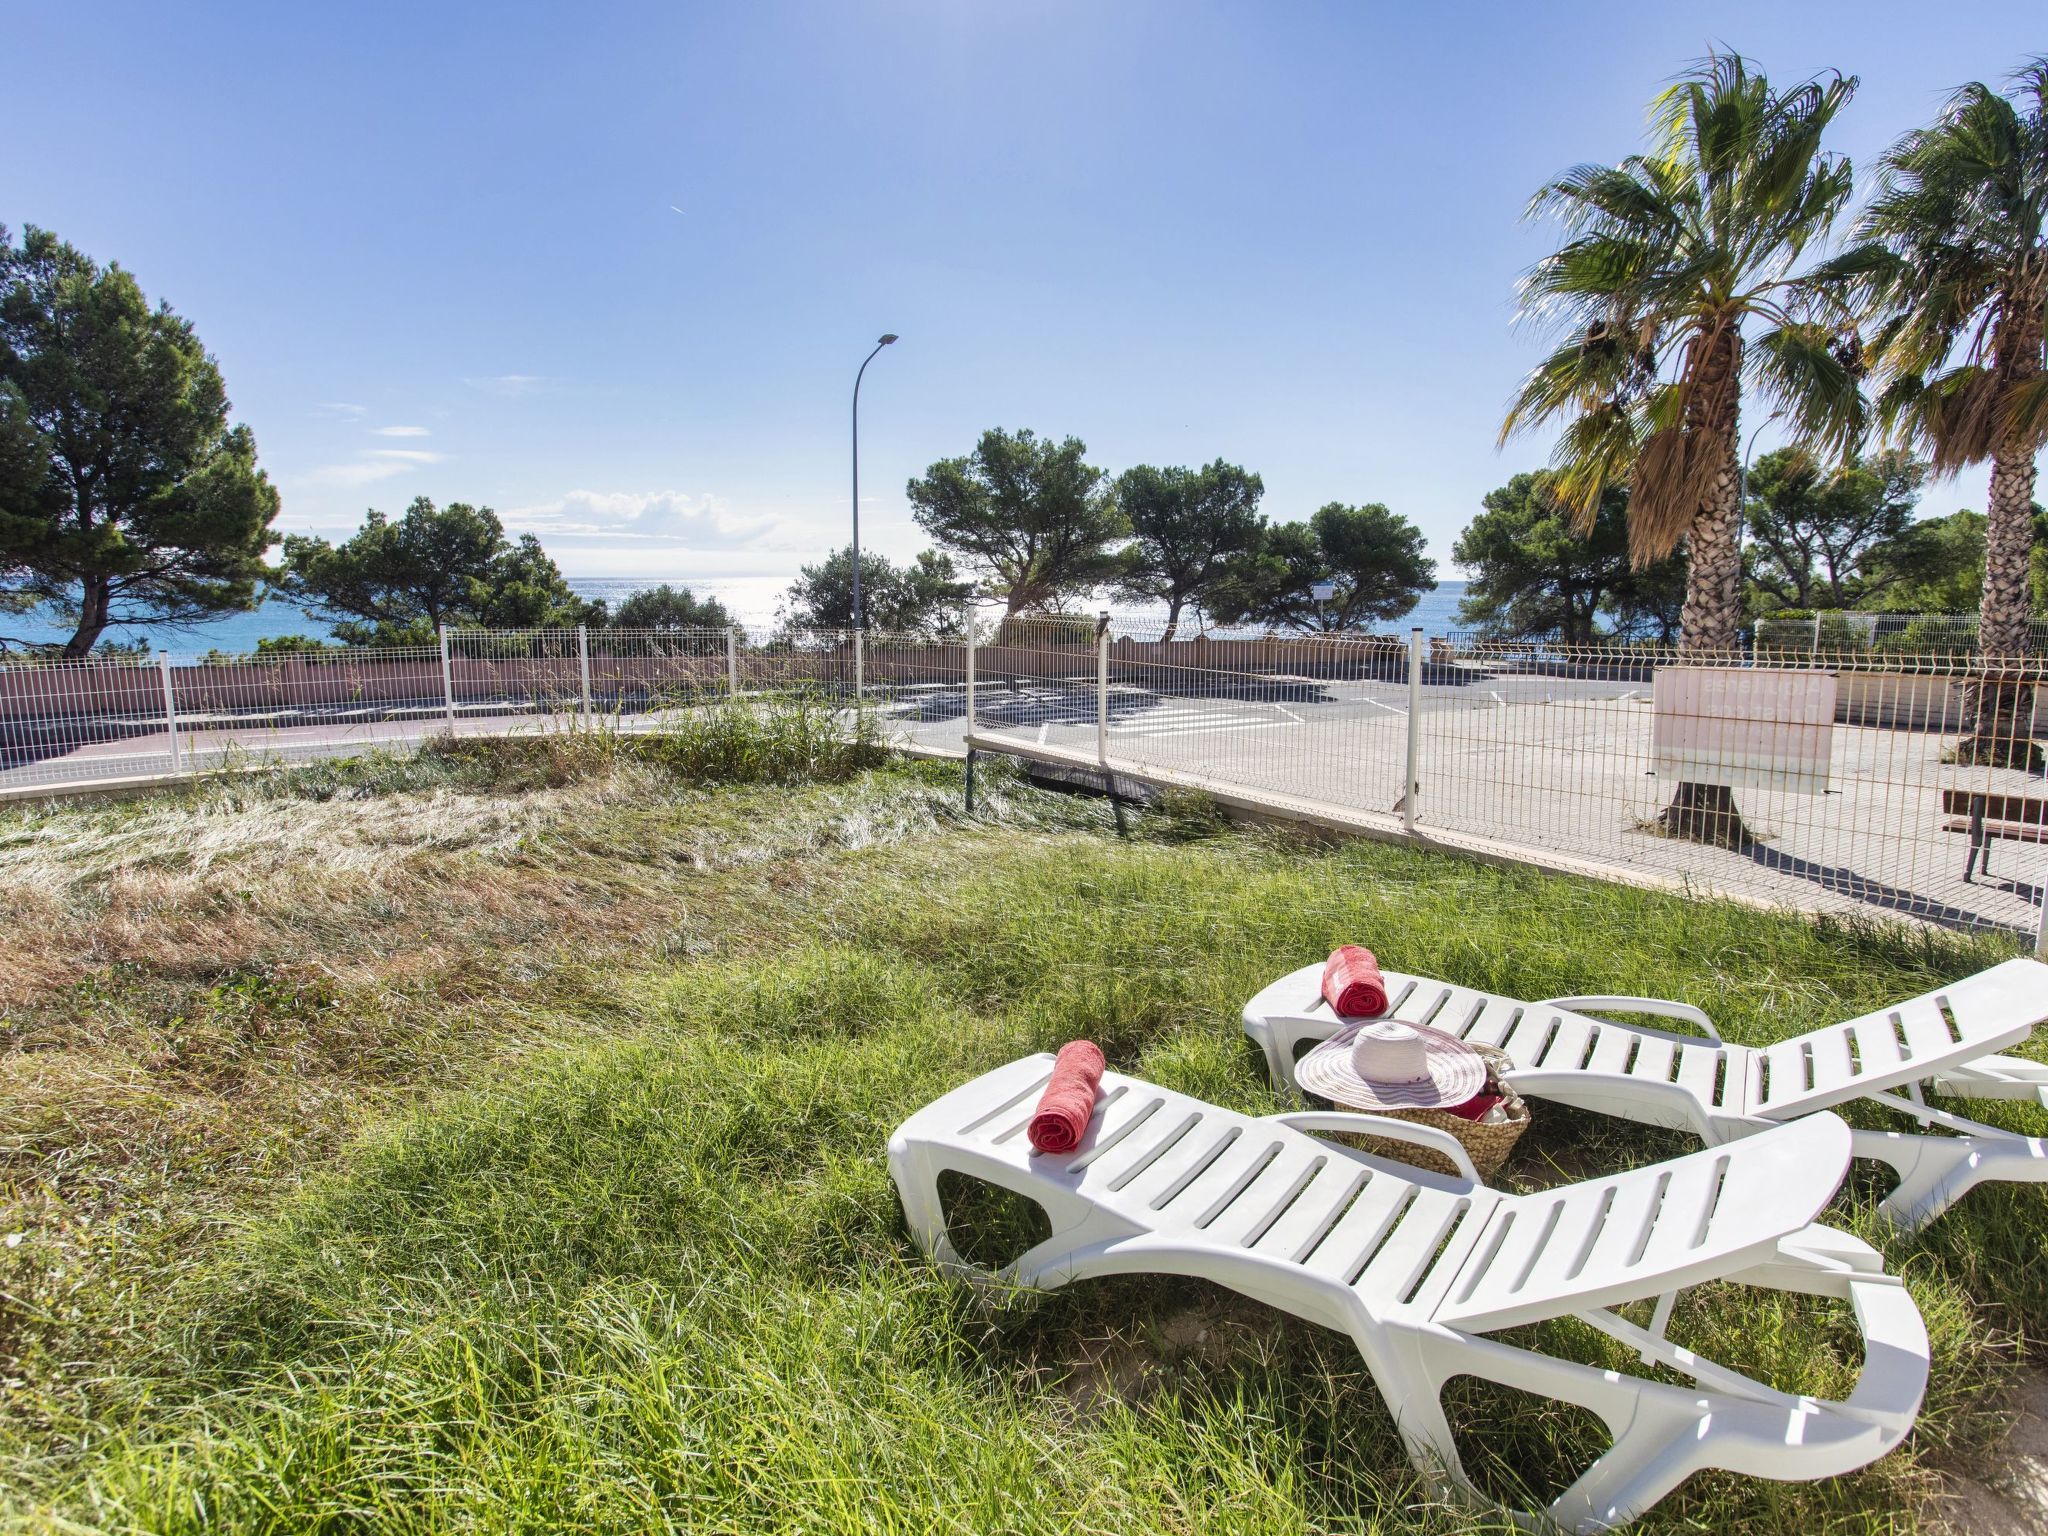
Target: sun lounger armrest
[1384, 1125]
[1663, 1007]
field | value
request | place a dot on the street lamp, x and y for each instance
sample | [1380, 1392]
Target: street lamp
[885, 341]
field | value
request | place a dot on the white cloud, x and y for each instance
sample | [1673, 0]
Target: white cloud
[338, 408]
[372, 465]
[400, 432]
[673, 518]
[507, 383]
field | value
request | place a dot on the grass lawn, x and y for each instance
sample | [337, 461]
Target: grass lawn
[495, 1142]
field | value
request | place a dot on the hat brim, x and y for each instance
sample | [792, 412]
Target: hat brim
[1455, 1071]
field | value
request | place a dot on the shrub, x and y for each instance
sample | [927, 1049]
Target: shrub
[781, 739]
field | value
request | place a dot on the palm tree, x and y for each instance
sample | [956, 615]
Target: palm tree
[1954, 263]
[1677, 282]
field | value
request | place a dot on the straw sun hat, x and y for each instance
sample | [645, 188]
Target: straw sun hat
[1388, 1065]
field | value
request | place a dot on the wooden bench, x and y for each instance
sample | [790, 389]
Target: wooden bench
[2017, 818]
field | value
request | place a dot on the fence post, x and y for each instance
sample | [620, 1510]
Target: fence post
[163, 659]
[447, 681]
[1102, 690]
[583, 663]
[1413, 787]
[967, 629]
[732, 661]
[857, 690]
[2041, 926]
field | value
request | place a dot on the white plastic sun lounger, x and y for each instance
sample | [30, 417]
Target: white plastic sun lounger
[1723, 1091]
[1418, 1268]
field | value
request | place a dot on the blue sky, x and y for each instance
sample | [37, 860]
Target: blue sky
[610, 268]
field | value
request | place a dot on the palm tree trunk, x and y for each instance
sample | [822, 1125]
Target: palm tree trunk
[1710, 623]
[1999, 701]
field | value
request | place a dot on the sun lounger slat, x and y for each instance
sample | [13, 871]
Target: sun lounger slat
[1654, 1057]
[1568, 1046]
[1266, 1195]
[1500, 1017]
[1698, 1067]
[1358, 1233]
[1121, 1117]
[1210, 1194]
[1294, 1234]
[1429, 1228]
[1210, 1138]
[1610, 1051]
[1528, 1038]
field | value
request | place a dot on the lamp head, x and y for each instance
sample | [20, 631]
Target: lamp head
[886, 340]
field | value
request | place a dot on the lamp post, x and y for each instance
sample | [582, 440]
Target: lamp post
[885, 341]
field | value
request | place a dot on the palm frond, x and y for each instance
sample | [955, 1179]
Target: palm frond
[1809, 373]
[2025, 417]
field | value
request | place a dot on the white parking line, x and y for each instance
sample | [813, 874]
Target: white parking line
[1387, 707]
[1190, 722]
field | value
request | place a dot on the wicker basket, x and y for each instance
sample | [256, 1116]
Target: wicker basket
[1488, 1145]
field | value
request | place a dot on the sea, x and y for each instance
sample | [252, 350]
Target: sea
[751, 600]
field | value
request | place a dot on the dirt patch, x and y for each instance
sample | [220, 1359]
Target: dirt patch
[1131, 1367]
[2007, 1495]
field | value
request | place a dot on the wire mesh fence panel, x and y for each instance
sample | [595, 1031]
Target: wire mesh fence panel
[817, 661]
[98, 718]
[643, 674]
[500, 672]
[1850, 637]
[915, 687]
[1312, 717]
[299, 705]
[1035, 680]
[1819, 784]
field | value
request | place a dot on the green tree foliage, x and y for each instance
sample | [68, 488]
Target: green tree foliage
[399, 579]
[1189, 526]
[1372, 556]
[1937, 568]
[667, 607]
[920, 598]
[1032, 518]
[291, 645]
[126, 497]
[1824, 538]
[1677, 284]
[1535, 575]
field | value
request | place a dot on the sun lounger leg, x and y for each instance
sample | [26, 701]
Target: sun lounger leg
[1080, 1229]
[1277, 1065]
[917, 1184]
[1412, 1387]
[1936, 1171]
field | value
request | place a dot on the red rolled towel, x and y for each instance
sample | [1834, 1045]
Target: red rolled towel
[1068, 1103]
[1474, 1108]
[1353, 985]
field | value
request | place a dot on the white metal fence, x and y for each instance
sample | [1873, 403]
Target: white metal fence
[117, 718]
[1832, 777]
[1838, 757]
